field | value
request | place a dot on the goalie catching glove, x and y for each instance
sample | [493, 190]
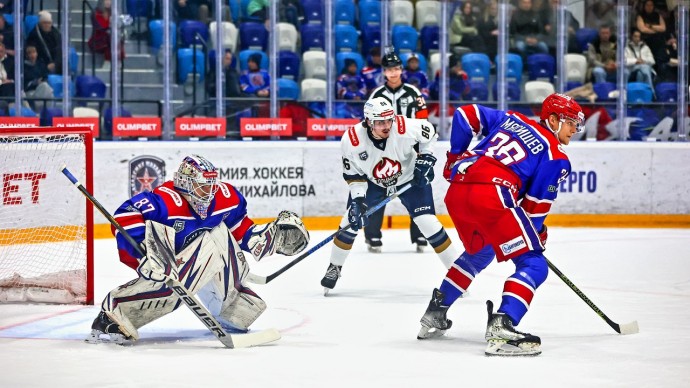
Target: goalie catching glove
[286, 235]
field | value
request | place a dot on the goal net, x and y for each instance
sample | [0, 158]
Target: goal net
[46, 226]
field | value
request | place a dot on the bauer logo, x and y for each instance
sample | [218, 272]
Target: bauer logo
[513, 245]
[145, 174]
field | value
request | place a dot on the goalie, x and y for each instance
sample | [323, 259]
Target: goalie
[203, 224]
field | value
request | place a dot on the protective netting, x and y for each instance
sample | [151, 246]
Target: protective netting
[43, 253]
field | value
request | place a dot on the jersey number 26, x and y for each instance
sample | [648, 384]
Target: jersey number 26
[505, 149]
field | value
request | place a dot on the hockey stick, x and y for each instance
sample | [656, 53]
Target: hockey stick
[201, 312]
[257, 279]
[626, 328]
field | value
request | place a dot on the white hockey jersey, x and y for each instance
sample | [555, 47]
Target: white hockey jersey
[387, 162]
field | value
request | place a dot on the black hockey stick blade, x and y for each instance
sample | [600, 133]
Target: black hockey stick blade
[258, 279]
[201, 312]
[626, 328]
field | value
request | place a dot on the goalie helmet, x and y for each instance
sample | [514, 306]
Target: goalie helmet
[378, 108]
[564, 107]
[197, 181]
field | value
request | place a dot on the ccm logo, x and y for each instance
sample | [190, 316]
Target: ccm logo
[11, 185]
[504, 182]
[419, 209]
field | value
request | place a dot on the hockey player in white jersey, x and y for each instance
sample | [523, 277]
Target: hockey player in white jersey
[380, 156]
[201, 224]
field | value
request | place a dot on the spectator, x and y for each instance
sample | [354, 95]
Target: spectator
[255, 81]
[600, 13]
[230, 76]
[35, 75]
[48, 42]
[289, 11]
[488, 29]
[463, 28]
[639, 60]
[6, 35]
[458, 85]
[6, 76]
[350, 84]
[601, 54]
[668, 71]
[372, 74]
[193, 10]
[550, 17]
[653, 29]
[258, 9]
[99, 43]
[415, 76]
[527, 30]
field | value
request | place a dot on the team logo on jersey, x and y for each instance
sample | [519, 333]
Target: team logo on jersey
[404, 102]
[386, 172]
[513, 245]
[145, 174]
[178, 225]
[364, 155]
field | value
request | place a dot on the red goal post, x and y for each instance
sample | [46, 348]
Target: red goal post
[46, 226]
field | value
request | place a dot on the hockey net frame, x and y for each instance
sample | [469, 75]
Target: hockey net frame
[45, 288]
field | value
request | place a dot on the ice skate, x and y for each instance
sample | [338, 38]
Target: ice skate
[421, 244]
[330, 278]
[104, 330]
[504, 340]
[374, 245]
[434, 322]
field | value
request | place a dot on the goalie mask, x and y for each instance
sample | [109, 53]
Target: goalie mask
[197, 181]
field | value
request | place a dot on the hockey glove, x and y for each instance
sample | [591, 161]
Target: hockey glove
[424, 170]
[543, 235]
[152, 269]
[356, 215]
[292, 237]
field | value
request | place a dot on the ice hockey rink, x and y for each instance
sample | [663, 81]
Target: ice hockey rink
[364, 333]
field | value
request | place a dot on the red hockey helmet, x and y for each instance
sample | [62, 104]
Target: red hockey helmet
[565, 107]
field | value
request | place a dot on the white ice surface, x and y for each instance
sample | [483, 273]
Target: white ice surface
[364, 333]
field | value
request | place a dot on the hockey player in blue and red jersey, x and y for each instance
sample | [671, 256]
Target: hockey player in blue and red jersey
[500, 193]
[203, 223]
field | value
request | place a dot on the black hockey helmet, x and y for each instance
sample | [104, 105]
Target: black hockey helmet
[391, 59]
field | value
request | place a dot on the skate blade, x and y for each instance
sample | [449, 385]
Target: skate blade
[99, 337]
[510, 349]
[420, 248]
[429, 332]
[374, 249]
[325, 291]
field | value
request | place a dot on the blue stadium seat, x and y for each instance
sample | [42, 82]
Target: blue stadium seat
[344, 12]
[428, 37]
[47, 114]
[136, 8]
[288, 89]
[156, 31]
[639, 92]
[185, 64]
[585, 36]
[340, 61]
[245, 54]
[190, 30]
[479, 91]
[477, 66]
[570, 85]
[235, 12]
[25, 112]
[313, 37]
[512, 92]
[369, 13]
[56, 81]
[253, 36]
[346, 38]
[371, 37]
[313, 11]
[30, 22]
[666, 91]
[541, 67]
[89, 86]
[73, 61]
[288, 65]
[422, 60]
[513, 67]
[405, 38]
[602, 90]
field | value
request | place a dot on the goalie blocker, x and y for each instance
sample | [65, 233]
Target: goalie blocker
[194, 230]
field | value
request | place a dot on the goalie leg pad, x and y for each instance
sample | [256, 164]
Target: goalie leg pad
[243, 310]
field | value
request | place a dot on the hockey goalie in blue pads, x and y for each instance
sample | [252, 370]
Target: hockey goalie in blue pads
[203, 224]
